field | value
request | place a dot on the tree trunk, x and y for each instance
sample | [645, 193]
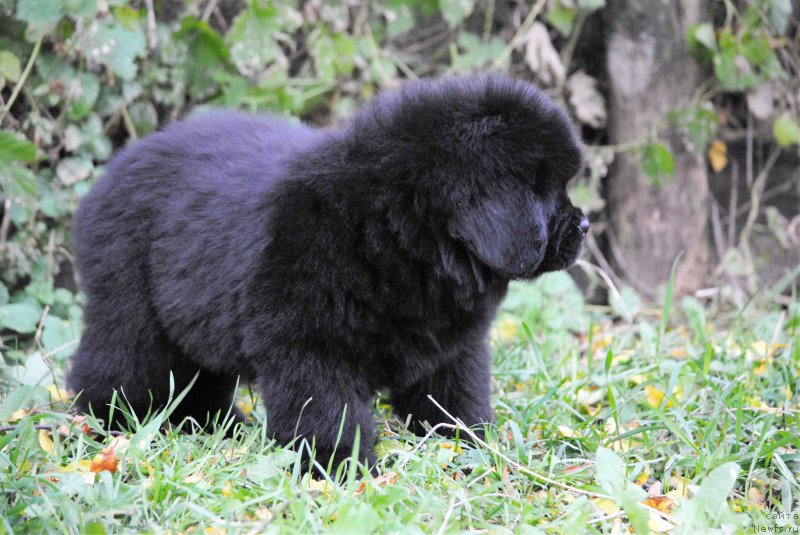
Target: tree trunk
[651, 73]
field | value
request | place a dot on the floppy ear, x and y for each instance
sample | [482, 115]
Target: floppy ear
[508, 233]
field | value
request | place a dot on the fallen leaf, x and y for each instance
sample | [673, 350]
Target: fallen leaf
[655, 397]
[79, 423]
[245, 406]
[321, 486]
[718, 155]
[451, 446]
[661, 503]
[577, 468]
[388, 478]
[263, 513]
[20, 414]
[45, 441]
[104, 461]
[361, 488]
[606, 505]
[505, 330]
[566, 432]
[756, 498]
[642, 478]
[197, 477]
[58, 394]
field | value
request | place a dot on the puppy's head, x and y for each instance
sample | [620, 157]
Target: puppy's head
[489, 159]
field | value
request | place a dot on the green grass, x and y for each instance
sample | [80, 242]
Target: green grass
[689, 408]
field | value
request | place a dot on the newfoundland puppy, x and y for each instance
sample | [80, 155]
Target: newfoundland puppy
[322, 266]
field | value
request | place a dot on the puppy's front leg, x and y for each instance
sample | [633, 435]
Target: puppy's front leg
[309, 398]
[462, 387]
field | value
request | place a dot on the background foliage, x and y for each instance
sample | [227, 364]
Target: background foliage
[81, 78]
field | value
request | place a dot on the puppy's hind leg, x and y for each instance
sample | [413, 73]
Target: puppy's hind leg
[117, 352]
[462, 387]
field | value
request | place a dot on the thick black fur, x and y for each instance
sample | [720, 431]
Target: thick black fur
[322, 266]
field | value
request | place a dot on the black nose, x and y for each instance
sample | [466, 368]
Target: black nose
[584, 225]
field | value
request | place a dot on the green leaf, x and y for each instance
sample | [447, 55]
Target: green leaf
[19, 398]
[455, 11]
[58, 333]
[475, 52]
[21, 317]
[399, 18]
[786, 130]
[704, 34]
[13, 149]
[35, 372]
[626, 304]
[611, 476]
[144, 117]
[40, 11]
[561, 18]
[252, 36]
[207, 52]
[18, 182]
[709, 508]
[657, 161]
[333, 55]
[87, 90]
[117, 47]
[127, 17]
[73, 169]
[81, 8]
[9, 66]
[93, 528]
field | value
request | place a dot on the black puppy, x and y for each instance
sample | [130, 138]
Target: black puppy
[321, 266]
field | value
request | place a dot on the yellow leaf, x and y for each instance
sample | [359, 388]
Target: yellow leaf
[226, 490]
[565, 431]
[388, 478]
[451, 446]
[654, 396]
[45, 441]
[321, 486]
[756, 498]
[263, 513]
[642, 478]
[679, 353]
[661, 503]
[658, 524]
[680, 484]
[58, 394]
[20, 414]
[245, 406]
[766, 350]
[505, 330]
[197, 477]
[718, 155]
[609, 507]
